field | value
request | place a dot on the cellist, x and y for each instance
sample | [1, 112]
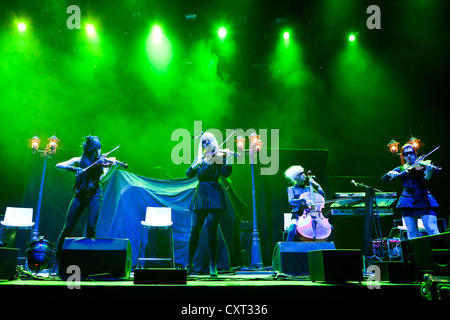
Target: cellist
[296, 176]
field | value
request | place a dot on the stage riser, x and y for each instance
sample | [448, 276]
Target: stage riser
[160, 276]
[218, 293]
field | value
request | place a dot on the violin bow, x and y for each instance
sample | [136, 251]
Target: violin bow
[105, 154]
[419, 159]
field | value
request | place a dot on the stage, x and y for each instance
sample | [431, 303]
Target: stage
[250, 287]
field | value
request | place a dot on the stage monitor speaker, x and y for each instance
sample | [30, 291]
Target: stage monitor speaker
[160, 276]
[339, 265]
[429, 253]
[96, 257]
[395, 272]
[292, 257]
[8, 263]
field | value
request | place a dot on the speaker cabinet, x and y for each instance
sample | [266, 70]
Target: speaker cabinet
[395, 272]
[429, 253]
[335, 265]
[8, 263]
[99, 257]
[160, 276]
[292, 257]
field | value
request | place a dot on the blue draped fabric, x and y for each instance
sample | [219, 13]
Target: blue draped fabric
[126, 198]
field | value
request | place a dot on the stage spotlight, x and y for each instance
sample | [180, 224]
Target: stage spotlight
[286, 35]
[156, 34]
[158, 48]
[21, 26]
[222, 33]
[90, 29]
[351, 38]
[39, 254]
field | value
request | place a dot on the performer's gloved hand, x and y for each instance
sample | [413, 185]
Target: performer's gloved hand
[393, 174]
[197, 163]
[77, 170]
[305, 202]
[428, 171]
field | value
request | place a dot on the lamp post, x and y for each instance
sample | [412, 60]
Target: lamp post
[393, 147]
[255, 146]
[49, 150]
[415, 143]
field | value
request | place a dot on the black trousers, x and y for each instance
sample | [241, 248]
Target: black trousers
[76, 207]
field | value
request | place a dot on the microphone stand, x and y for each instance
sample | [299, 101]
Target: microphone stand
[368, 219]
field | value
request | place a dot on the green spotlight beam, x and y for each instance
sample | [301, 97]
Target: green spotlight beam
[90, 29]
[158, 49]
[222, 33]
[21, 26]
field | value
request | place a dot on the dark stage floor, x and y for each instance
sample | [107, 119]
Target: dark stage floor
[239, 288]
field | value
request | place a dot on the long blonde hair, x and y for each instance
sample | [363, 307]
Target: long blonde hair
[211, 138]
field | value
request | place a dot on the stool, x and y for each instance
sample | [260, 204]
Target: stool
[158, 218]
[399, 231]
[287, 219]
[16, 230]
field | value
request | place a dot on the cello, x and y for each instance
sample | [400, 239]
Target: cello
[312, 225]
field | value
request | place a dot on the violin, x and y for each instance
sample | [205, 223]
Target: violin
[312, 225]
[220, 153]
[105, 162]
[108, 162]
[225, 152]
[421, 166]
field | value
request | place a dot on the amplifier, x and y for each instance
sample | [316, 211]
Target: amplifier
[99, 257]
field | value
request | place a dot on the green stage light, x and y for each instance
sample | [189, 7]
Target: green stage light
[156, 34]
[286, 35]
[351, 38]
[22, 26]
[159, 48]
[90, 29]
[222, 33]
